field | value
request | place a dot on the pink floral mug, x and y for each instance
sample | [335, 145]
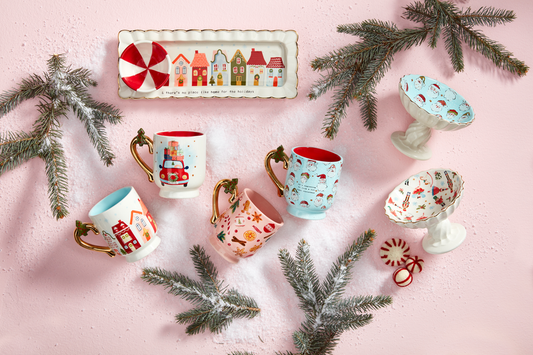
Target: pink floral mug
[245, 226]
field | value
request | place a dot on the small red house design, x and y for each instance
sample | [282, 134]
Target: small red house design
[256, 68]
[275, 72]
[125, 237]
[199, 66]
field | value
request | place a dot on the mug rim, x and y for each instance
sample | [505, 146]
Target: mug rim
[182, 134]
[119, 194]
[333, 157]
[278, 219]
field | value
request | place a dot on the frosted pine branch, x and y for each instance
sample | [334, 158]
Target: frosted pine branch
[355, 70]
[58, 90]
[217, 307]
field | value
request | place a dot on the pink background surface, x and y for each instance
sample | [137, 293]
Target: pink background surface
[57, 298]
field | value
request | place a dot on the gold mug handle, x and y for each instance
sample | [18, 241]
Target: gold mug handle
[141, 139]
[83, 229]
[230, 186]
[278, 155]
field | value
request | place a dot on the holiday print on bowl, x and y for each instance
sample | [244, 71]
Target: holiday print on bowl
[433, 105]
[144, 66]
[426, 200]
[423, 196]
[437, 99]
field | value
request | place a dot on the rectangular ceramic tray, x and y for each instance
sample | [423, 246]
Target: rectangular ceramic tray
[221, 63]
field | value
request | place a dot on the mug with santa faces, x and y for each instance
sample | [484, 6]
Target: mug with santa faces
[245, 226]
[312, 179]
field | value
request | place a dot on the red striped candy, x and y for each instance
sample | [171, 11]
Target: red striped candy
[402, 277]
[394, 252]
[414, 264]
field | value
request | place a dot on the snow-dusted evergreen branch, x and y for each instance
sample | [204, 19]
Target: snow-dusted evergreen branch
[354, 71]
[327, 314]
[58, 90]
[216, 306]
[330, 315]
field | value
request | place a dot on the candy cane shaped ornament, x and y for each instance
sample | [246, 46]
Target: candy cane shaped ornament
[144, 66]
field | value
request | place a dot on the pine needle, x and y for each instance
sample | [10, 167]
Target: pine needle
[59, 90]
[216, 306]
[327, 314]
[354, 71]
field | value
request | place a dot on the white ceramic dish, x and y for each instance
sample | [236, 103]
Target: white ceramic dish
[426, 200]
[433, 105]
[221, 63]
[144, 66]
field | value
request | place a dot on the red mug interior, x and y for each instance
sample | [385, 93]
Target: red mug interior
[179, 134]
[317, 154]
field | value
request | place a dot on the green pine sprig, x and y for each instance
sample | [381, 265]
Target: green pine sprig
[354, 71]
[59, 90]
[216, 306]
[327, 313]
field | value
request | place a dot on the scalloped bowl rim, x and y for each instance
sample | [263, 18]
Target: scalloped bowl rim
[413, 224]
[461, 124]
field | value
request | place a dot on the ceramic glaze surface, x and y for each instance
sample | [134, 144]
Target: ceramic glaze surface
[437, 99]
[244, 228]
[126, 224]
[144, 66]
[312, 182]
[423, 196]
[58, 298]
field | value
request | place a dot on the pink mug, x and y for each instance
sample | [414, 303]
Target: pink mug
[248, 223]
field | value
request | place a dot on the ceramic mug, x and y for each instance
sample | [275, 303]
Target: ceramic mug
[124, 222]
[248, 223]
[179, 161]
[311, 182]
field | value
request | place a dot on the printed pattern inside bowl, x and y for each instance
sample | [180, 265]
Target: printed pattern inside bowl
[423, 195]
[437, 99]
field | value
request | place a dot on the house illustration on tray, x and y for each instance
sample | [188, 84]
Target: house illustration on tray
[238, 69]
[219, 69]
[180, 69]
[199, 66]
[256, 68]
[275, 72]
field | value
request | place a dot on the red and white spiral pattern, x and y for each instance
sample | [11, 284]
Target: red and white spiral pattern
[144, 66]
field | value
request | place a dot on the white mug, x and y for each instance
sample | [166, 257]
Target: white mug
[179, 161]
[124, 222]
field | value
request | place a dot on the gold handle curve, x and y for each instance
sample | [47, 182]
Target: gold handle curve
[270, 172]
[140, 140]
[216, 190]
[82, 229]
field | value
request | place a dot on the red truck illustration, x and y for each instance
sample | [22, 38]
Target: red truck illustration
[173, 169]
